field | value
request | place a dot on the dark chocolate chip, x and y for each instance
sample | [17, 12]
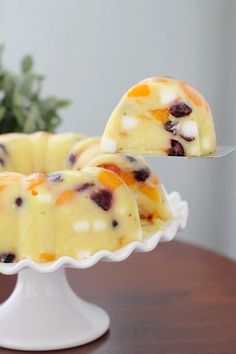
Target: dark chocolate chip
[72, 159]
[114, 223]
[84, 186]
[131, 158]
[18, 201]
[7, 257]
[55, 177]
[180, 109]
[103, 198]
[170, 127]
[2, 162]
[4, 149]
[176, 148]
[142, 174]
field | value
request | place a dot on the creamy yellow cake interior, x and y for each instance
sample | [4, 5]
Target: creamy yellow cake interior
[61, 197]
[161, 116]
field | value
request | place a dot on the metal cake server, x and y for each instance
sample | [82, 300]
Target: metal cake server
[221, 151]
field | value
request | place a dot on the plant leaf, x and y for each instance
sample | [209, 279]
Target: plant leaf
[63, 103]
[20, 117]
[8, 83]
[2, 112]
[31, 121]
[22, 108]
[27, 64]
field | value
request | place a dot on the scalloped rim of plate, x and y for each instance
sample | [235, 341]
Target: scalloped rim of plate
[179, 209]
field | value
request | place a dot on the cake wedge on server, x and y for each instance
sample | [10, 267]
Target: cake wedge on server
[161, 116]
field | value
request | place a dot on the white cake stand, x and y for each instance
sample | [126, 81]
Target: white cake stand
[43, 313]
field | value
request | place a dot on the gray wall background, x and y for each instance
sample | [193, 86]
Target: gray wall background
[92, 51]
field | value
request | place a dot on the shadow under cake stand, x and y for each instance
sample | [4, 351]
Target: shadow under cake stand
[43, 312]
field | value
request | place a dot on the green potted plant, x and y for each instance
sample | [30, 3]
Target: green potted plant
[22, 107]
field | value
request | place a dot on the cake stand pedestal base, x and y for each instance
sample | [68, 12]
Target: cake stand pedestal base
[43, 313]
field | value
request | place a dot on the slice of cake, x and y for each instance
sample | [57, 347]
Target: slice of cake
[144, 185]
[161, 116]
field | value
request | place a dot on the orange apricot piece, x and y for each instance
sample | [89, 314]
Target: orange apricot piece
[46, 257]
[161, 115]
[109, 180]
[150, 192]
[65, 196]
[127, 177]
[139, 91]
[35, 180]
[191, 93]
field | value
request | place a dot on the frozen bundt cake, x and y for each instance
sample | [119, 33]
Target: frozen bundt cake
[161, 116]
[95, 202]
[38, 152]
[68, 213]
